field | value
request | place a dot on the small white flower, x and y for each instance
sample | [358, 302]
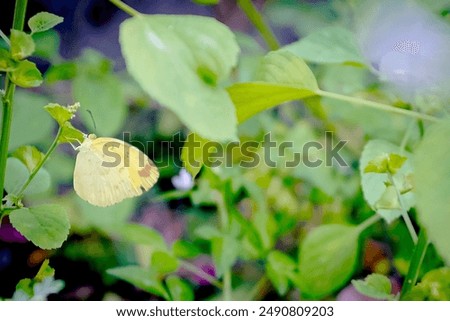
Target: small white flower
[183, 181]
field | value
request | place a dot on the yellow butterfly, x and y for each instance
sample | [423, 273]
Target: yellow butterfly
[108, 170]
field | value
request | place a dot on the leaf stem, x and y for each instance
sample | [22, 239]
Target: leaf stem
[199, 272]
[18, 22]
[405, 215]
[371, 220]
[126, 8]
[376, 105]
[257, 20]
[40, 164]
[416, 262]
[5, 38]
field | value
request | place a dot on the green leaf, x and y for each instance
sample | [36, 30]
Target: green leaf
[140, 234]
[59, 113]
[225, 251]
[179, 289]
[283, 77]
[206, 2]
[63, 71]
[432, 183]
[47, 226]
[16, 175]
[47, 45]
[376, 286]
[327, 259]
[380, 157]
[43, 21]
[388, 200]
[329, 45]
[192, 153]
[109, 219]
[184, 249]
[6, 62]
[70, 134]
[207, 232]
[279, 269]
[22, 45]
[141, 278]
[103, 95]
[29, 114]
[26, 75]
[435, 286]
[163, 262]
[181, 61]
[28, 155]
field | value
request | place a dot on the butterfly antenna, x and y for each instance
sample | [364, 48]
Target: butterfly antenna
[92, 117]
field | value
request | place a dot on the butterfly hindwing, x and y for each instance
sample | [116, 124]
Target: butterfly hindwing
[109, 170]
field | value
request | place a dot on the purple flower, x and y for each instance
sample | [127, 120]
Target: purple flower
[408, 47]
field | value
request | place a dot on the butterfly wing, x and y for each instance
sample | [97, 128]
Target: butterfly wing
[110, 170]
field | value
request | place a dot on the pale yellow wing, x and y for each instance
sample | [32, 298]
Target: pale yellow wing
[108, 170]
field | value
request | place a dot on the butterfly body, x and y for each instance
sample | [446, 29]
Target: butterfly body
[108, 170]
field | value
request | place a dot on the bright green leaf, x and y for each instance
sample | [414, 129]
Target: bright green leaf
[284, 68]
[184, 249]
[103, 95]
[22, 45]
[376, 286]
[279, 268]
[26, 75]
[327, 259]
[43, 21]
[70, 134]
[179, 289]
[141, 278]
[225, 251]
[28, 155]
[163, 262]
[329, 45]
[434, 286]
[177, 60]
[282, 77]
[59, 113]
[374, 183]
[47, 226]
[6, 62]
[432, 184]
[192, 153]
[17, 174]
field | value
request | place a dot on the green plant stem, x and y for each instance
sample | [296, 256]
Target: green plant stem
[379, 106]
[222, 201]
[40, 164]
[405, 215]
[18, 22]
[371, 220]
[124, 7]
[416, 262]
[257, 20]
[192, 268]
